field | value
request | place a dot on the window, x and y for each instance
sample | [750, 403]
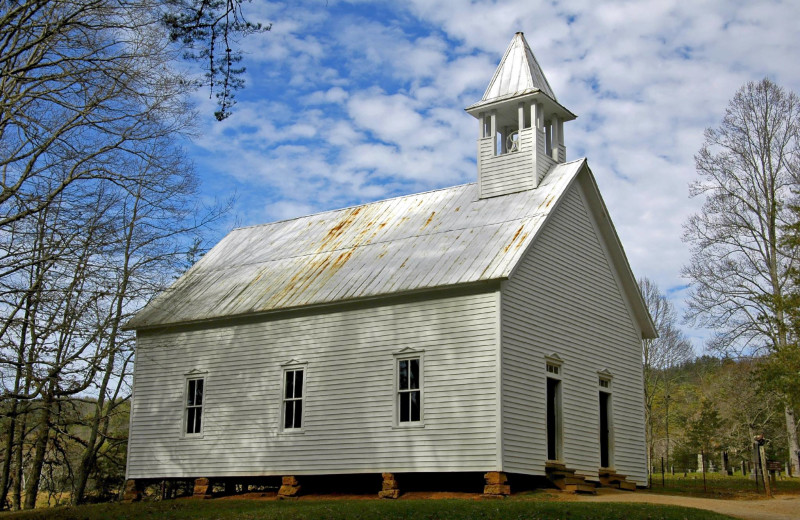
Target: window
[409, 394]
[194, 405]
[293, 399]
[552, 368]
[604, 378]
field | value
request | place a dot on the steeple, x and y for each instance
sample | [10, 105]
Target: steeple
[521, 125]
[518, 72]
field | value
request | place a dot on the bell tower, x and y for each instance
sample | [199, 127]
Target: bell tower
[521, 125]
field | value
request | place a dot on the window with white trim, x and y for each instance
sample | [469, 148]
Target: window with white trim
[409, 390]
[293, 398]
[194, 405]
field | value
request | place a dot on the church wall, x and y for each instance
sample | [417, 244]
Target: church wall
[348, 425]
[564, 299]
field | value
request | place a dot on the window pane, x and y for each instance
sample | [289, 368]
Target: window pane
[190, 392]
[403, 375]
[197, 415]
[414, 380]
[289, 384]
[198, 400]
[298, 383]
[415, 398]
[404, 407]
[298, 413]
[288, 414]
[190, 420]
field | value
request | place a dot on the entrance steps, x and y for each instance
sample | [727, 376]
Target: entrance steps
[610, 478]
[565, 479]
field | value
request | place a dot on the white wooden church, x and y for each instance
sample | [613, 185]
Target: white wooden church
[492, 327]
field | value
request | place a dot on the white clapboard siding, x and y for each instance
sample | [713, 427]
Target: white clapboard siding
[564, 299]
[543, 161]
[510, 172]
[349, 397]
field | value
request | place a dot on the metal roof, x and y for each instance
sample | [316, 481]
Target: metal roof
[518, 72]
[436, 239]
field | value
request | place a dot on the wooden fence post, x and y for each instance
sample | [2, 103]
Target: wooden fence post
[764, 471]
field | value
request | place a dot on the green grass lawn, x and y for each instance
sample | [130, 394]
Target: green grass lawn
[718, 486]
[453, 509]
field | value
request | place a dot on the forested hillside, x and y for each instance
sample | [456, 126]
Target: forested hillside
[717, 406]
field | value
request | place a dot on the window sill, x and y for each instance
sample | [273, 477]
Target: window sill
[409, 426]
[299, 431]
[191, 436]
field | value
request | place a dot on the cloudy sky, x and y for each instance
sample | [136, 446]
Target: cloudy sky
[350, 102]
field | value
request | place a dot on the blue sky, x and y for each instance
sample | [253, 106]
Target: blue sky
[350, 102]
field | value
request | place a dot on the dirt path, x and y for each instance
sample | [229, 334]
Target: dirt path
[782, 507]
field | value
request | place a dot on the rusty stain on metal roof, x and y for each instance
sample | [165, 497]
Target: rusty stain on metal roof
[440, 238]
[433, 213]
[514, 238]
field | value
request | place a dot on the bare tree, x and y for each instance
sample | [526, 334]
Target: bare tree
[739, 269]
[155, 224]
[96, 209]
[660, 356]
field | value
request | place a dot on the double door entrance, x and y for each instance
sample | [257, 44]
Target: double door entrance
[555, 424]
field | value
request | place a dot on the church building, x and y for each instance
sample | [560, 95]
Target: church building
[492, 328]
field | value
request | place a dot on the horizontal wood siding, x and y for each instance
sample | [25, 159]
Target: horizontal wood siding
[348, 419]
[507, 173]
[543, 161]
[564, 299]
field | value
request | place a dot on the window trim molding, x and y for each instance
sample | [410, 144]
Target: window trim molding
[193, 374]
[291, 365]
[401, 355]
[607, 376]
[555, 361]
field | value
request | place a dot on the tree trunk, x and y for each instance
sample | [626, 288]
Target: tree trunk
[40, 448]
[89, 455]
[794, 449]
[9, 453]
[9, 445]
[16, 488]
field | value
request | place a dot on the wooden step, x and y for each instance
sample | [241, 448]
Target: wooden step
[554, 466]
[563, 483]
[612, 479]
[584, 489]
[558, 471]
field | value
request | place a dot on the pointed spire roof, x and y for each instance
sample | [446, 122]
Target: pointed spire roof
[518, 72]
